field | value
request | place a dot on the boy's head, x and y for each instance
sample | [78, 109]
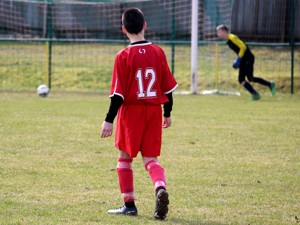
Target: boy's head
[133, 20]
[222, 31]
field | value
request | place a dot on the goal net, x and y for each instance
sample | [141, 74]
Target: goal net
[214, 58]
[71, 44]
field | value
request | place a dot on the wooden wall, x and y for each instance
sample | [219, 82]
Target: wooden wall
[265, 20]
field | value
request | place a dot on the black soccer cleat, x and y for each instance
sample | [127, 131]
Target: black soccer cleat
[124, 211]
[161, 205]
[256, 97]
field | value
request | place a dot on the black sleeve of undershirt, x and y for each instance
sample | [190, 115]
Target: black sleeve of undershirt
[168, 105]
[115, 103]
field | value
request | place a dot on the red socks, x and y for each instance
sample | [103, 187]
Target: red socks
[125, 175]
[157, 174]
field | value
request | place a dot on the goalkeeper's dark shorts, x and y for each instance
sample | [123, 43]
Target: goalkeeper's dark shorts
[246, 69]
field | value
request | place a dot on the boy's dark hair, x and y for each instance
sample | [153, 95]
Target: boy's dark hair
[222, 27]
[133, 20]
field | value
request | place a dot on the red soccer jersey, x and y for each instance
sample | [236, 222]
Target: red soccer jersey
[141, 75]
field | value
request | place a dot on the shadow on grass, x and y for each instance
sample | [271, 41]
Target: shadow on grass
[174, 220]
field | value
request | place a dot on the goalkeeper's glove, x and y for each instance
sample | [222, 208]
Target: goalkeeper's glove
[237, 62]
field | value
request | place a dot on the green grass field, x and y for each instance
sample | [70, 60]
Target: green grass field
[228, 160]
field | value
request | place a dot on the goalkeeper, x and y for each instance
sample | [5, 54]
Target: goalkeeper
[244, 61]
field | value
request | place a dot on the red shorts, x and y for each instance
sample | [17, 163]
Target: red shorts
[139, 128]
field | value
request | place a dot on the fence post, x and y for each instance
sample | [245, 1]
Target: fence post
[173, 37]
[292, 43]
[49, 41]
[194, 47]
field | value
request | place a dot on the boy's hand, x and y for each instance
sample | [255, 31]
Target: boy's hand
[237, 62]
[167, 122]
[106, 129]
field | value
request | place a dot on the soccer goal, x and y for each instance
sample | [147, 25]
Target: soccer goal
[210, 60]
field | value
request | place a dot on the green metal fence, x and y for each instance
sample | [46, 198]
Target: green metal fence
[71, 45]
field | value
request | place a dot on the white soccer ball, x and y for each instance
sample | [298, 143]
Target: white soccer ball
[43, 90]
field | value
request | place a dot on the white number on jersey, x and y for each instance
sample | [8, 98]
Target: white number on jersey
[149, 74]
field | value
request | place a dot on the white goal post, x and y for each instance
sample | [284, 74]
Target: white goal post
[213, 43]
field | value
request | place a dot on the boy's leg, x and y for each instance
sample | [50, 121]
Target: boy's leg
[125, 176]
[261, 81]
[249, 88]
[242, 75]
[157, 174]
[249, 68]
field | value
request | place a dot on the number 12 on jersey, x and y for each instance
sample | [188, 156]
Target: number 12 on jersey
[148, 74]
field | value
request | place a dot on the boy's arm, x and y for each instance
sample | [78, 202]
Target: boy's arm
[238, 42]
[115, 103]
[107, 126]
[168, 105]
[167, 111]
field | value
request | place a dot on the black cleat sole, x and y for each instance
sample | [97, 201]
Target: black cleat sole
[162, 202]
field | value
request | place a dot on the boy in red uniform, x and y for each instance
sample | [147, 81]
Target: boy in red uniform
[141, 83]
